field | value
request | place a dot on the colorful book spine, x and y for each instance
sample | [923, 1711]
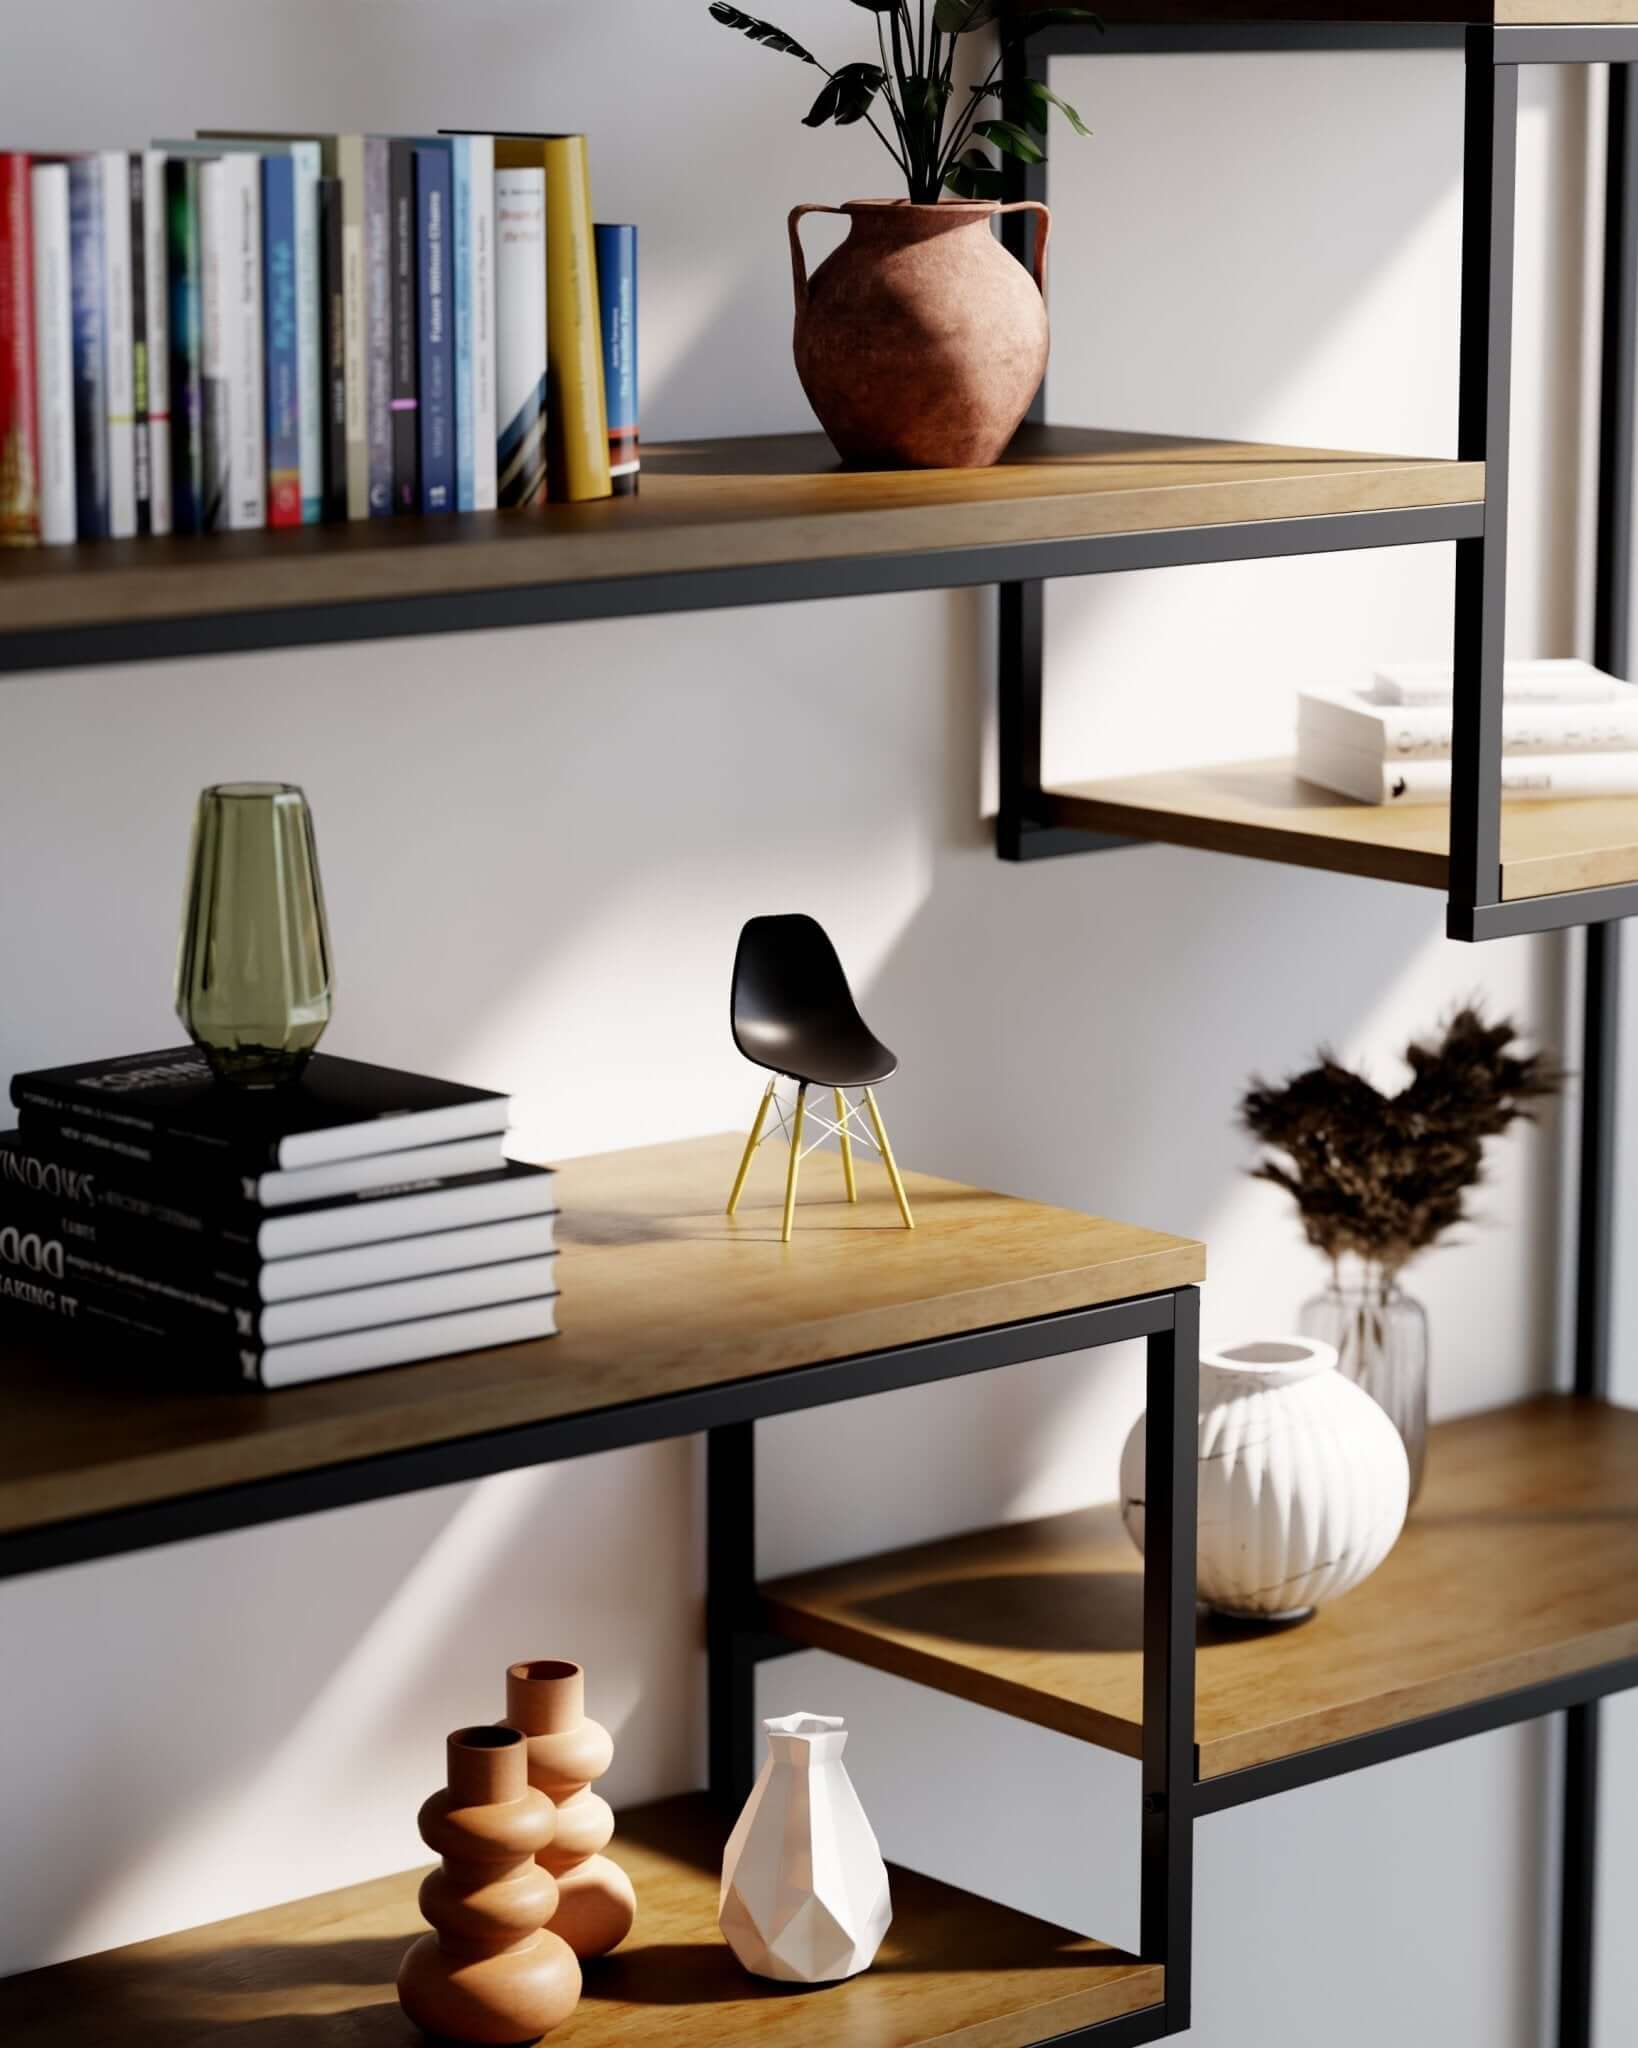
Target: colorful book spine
[333, 291]
[156, 313]
[185, 293]
[520, 336]
[53, 351]
[580, 422]
[116, 341]
[406, 321]
[214, 265]
[247, 403]
[378, 365]
[141, 380]
[434, 294]
[350, 168]
[19, 380]
[305, 163]
[473, 163]
[282, 370]
[617, 299]
[90, 352]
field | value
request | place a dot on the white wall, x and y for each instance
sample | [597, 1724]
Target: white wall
[539, 847]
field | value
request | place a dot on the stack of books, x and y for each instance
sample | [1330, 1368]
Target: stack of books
[1567, 730]
[358, 1217]
[247, 331]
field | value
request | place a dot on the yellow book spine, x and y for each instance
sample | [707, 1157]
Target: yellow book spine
[574, 337]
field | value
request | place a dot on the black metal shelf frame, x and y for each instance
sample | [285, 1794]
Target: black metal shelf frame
[1025, 830]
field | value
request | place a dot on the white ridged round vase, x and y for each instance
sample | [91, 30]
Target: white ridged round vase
[1304, 1482]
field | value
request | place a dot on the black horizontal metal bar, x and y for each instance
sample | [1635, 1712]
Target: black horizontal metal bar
[539, 604]
[1131, 2030]
[1568, 43]
[1430, 1731]
[1541, 913]
[1247, 38]
[1050, 842]
[576, 1436]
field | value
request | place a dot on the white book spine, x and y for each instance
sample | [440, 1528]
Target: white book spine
[1544, 778]
[242, 301]
[53, 351]
[355, 323]
[1425, 733]
[118, 374]
[157, 298]
[1523, 682]
[305, 158]
[520, 335]
[482, 188]
[213, 367]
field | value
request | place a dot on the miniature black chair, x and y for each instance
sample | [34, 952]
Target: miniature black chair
[794, 1014]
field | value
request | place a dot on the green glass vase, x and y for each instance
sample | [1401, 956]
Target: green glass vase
[253, 965]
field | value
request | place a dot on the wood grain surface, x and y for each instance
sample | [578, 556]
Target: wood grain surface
[661, 1293]
[1265, 811]
[1519, 1563]
[726, 504]
[319, 1973]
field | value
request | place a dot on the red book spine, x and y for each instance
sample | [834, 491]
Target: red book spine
[19, 433]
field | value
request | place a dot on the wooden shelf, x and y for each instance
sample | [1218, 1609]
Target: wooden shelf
[662, 1294]
[319, 1973]
[1263, 810]
[1519, 1564]
[716, 522]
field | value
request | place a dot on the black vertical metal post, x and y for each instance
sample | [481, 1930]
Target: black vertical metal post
[1489, 162]
[1169, 1526]
[730, 1606]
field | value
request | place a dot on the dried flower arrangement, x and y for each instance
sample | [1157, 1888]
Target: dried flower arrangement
[1386, 1176]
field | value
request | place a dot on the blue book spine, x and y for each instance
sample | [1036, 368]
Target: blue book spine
[465, 432]
[617, 309]
[435, 294]
[283, 366]
[91, 511]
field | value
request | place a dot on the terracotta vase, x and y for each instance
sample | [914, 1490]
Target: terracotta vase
[920, 342]
[546, 1702]
[490, 1973]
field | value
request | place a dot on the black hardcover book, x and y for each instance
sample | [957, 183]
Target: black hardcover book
[142, 453]
[406, 319]
[333, 327]
[171, 1106]
[127, 1215]
[198, 1350]
[185, 293]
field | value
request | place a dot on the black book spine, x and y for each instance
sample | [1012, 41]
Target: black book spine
[143, 463]
[184, 290]
[406, 329]
[112, 1123]
[332, 273]
[148, 1247]
[182, 1172]
[179, 1348]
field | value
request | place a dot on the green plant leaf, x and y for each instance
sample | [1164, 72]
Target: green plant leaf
[760, 31]
[956, 17]
[1014, 140]
[847, 96]
[1029, 102]
[975, 177]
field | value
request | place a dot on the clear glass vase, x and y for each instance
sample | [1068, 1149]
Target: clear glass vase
[1381, 1337]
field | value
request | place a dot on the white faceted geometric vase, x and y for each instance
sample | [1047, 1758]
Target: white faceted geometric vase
[1304, 1482]
[804, 1888]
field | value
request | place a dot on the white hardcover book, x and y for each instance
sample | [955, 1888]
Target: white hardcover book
[244, 344]
[403, 1301]
[157, 299]
[481, 316]
[284, 1187]
[520, 336]
[355, 323]
[406, 1210]
[53, 351]
[1545, 777]
[1418, 732]
[118, 372]
[323, 1358]
[1523, 682]
[409, 1258]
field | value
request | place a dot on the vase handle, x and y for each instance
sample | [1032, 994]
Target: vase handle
[1043, 234]
[799, 266]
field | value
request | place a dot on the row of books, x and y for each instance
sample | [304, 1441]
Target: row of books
[245, 331]
[1567, 730]
[357, 1218]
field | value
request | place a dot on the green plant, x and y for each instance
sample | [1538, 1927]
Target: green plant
[1385, 1176]
[934, 134]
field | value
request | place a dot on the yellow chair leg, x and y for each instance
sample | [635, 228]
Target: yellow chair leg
[847, 1147]
[751, 1144]
[796, 1161]
[887, 1158]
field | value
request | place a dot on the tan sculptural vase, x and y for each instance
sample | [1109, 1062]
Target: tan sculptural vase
[546, 1701]
[490, 1973]
[921, 342]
